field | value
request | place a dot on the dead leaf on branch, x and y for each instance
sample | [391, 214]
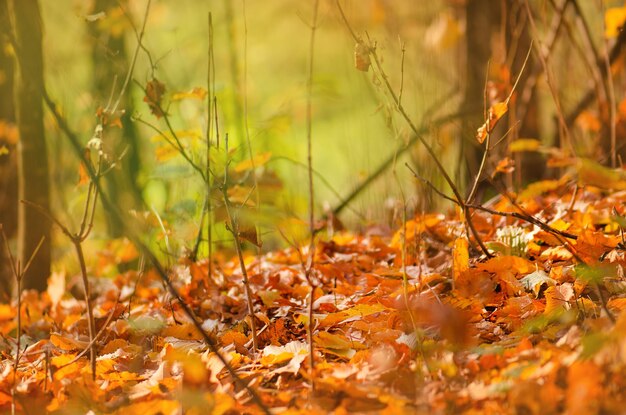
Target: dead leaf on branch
[496, 112]
[154, 96]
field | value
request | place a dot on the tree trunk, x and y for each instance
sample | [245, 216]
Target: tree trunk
[481, 17]
[31, 149]
[8, 157]
[110, 62]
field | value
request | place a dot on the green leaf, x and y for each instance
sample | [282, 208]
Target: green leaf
[146, 325]
[594, 274]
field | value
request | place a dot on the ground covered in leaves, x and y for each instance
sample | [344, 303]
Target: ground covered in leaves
[539, 328]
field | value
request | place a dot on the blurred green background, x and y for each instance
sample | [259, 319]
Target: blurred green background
[354, 126]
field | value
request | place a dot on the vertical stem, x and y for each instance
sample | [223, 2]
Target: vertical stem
[18, 342]
[92, 330]
[234, 229]
[311, 261]
[257, 194]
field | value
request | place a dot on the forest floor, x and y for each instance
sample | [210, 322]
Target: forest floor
[539, 328]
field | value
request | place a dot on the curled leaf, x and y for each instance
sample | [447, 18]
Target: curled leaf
[496, 112]
[362, 57]
[154, 95]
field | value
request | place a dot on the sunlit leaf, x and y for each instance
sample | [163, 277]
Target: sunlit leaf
[353, 313]
[195, 93]
[536, 281]
[294, 353]
[257, 161]
[506, 166]
[460, 258]
[614, 19]
[182, 331]
[594, 174]
[524, 144]
[496, 112]
[145, 325]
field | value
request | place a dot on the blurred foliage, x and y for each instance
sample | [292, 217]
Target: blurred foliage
[354, 128]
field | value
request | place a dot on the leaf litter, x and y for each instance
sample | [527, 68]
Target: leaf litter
[528, 331]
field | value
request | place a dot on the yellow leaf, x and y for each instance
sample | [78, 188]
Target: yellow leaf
[56, 287]
[515, 264]
[460, 258]
[539, 188]
[196, 93]
[7, 312]
[354, 313]
[524, 144]
[594, 174]
[506, 165]
[273, 359]
[257, 161]
[240, 195]
[617, 304]
[182, 331]
[151, 407]
[614, 19]
[165, 152]
[496, 112]
[66, 343]
[336, 341]
[558, 296]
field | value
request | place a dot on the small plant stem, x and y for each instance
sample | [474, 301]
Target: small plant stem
[77, 240]
[309, 139]
[208, 205]
[246, 127]
[90, 320]
[209, 135]
[234, 229]
[18, 273]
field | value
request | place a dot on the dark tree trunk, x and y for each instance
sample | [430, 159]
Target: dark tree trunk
[31, 149]
[8, 156]
[481, 21]
[110, 62]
